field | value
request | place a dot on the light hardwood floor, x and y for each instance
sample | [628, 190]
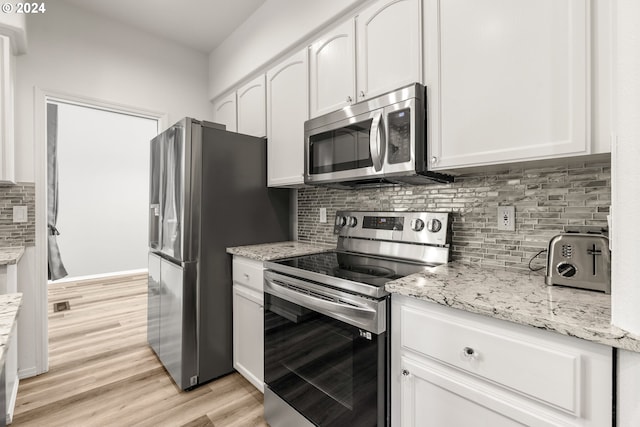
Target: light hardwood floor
[103, 373]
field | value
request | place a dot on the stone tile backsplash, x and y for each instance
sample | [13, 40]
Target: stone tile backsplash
[23, 233]
[547, 201]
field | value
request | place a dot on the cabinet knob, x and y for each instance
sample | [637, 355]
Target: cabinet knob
[349, 100]
[362, 94]
[434, 160]
[405, 373]
[469, 353]
[246, 276]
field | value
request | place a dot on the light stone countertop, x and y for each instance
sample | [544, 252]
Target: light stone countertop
[11, 254]
[271, 251]
[9, 307]
[520, 297]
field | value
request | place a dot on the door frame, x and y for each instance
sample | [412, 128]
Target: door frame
[40, 281]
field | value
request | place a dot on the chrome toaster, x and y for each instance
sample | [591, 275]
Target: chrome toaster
[580, 260]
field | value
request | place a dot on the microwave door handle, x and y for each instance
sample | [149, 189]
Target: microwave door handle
[375, 141]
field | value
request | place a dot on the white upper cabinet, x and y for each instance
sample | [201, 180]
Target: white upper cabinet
[7, 160]
[224, 112]
[389, 34]
[332, 70]
[507, 80]
[287, 110]
[252, 108]
[388, 55]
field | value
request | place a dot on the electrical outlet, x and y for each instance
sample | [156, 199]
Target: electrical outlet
[506, 218]
[323, 215]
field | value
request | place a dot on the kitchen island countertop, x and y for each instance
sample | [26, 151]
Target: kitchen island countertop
[11, 254]
[520, 297]
[278, 250]
[9, 307]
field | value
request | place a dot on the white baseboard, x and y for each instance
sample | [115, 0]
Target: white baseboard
[28, 372]
[99, 276]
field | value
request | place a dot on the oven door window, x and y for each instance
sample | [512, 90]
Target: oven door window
[331, 372]
[342, 149]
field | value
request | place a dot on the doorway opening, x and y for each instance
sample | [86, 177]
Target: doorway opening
[101, 189]
[38, 346]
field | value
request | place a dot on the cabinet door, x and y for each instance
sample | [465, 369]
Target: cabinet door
[248, 335]
[508, 80]
[433, 396]
[287, 110]
[332, 70]
[224, 112]
[7, 161]
[389, 46]
[252, 116]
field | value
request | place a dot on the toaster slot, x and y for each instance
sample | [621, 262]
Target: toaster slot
[594, 251]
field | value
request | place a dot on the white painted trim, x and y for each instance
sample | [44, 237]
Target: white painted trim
[41, 96]
[100, 276]
[27, 373]
[40, 274]
[11, 401]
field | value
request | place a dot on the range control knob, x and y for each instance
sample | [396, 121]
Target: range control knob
[434, 225]
[352, 221]
[567, 270]
[417, 224]
[340, 221]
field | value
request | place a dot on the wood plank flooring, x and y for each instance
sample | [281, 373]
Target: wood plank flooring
[103, 373]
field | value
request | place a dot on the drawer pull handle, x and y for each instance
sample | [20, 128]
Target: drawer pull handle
[405, 372]
[469, 353]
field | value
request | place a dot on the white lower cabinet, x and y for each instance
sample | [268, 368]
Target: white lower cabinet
[451, 367]
[248, 320]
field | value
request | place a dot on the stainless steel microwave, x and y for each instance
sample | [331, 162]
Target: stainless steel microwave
[375, 142]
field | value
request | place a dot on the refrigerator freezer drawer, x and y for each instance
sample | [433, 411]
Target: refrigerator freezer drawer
[172, 318]
[153, 303]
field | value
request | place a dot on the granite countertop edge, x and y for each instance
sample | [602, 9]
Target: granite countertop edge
[518, 297]
[9, 309]
[279, 250]
[11, 254]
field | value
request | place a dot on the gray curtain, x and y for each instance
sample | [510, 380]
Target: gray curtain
[56, 267]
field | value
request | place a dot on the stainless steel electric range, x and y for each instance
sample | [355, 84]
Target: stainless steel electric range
[326, 318]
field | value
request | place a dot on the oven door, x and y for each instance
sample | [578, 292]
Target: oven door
[352, 148]
[326, 353]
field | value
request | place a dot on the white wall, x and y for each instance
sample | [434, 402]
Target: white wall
[278, 25]
[103, 187]
[75, 52]
[78, 53]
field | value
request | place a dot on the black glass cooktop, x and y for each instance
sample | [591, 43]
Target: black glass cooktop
[368, 270]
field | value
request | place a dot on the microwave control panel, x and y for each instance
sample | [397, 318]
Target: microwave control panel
[399, 123]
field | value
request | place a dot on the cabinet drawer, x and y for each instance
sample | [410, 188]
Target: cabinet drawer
[248, 272]
[511, 358]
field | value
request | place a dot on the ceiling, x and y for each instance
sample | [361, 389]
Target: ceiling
[199, 24]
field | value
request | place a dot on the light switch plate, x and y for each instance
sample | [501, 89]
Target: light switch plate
[19, 214]
[323, 215]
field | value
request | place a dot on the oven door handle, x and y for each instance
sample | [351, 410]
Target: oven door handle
[376, 141]
[359, 316]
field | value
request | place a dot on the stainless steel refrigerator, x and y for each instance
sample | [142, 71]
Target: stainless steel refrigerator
[208, 191]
